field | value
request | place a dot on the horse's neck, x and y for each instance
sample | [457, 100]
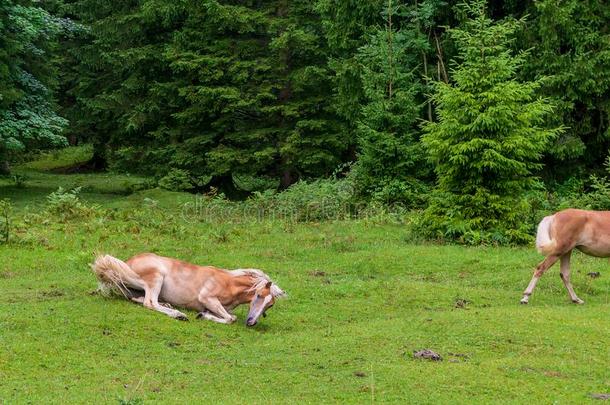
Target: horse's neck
[241, 287]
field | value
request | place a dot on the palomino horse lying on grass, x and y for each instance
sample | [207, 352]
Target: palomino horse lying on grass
[559, 234]
[212, 291]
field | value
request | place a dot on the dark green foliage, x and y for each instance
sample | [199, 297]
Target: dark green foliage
[244, 97]
[488, 139]
[122, 100]
[5, 220]
[593, 194]
[214, 89]
[346, 23]
[177, 180]
[27, 116]
[572, 47]
[391, 161]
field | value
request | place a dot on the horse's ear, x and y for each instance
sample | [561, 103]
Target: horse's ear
[268, 285]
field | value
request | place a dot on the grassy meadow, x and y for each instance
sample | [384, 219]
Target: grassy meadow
[362, 298]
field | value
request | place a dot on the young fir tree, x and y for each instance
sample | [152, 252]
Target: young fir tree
[488, 139]
[391, 158]
[28, 117]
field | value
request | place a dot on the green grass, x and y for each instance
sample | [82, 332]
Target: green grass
[60, 159]
[40, 179]
[361, 300]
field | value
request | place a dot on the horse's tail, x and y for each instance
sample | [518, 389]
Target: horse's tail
[114, 275]
[544, 242]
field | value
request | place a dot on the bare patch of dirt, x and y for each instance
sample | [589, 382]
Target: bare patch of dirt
[427, 354]
[319, 273]
[461, 303]
[603, 397]
[457, 357]
[7, 274]
[553, 373]
[53, 293]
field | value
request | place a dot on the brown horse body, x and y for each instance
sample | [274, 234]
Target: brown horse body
[559, 234]
[148, 278]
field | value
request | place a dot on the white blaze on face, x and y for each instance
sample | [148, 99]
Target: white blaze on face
[258, 307]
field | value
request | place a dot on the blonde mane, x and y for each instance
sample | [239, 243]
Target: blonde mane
[259, 281]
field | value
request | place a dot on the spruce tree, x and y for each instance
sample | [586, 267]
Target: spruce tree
[346, 26]
[253, 90]
[123, 105]
[310, 139]
[489, 137]
[221, 75]
[391, 160]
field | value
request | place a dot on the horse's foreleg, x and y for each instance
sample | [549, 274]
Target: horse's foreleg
[565, 277]
[538, 272]
[216, 308]
[151, 298]
[211, 317]
[140, 300]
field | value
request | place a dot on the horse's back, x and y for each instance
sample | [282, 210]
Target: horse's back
[146, 262]
[587, 230]
[182, 281]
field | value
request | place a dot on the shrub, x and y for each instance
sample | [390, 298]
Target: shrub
[19, 180]
[67, 205]
[176, 180]
[5, 220]
[317, 200]
[411, 193]
[596, 198]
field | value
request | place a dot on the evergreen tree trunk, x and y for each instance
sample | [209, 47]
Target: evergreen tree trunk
[5, 168]
[225, 184]
[287, 179]
[98, 161]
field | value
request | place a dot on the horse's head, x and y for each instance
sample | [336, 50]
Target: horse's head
[263, 299]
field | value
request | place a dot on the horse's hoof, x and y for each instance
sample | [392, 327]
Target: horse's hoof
[200, 315]
[524, 301]
[182, 318]
[578, 301]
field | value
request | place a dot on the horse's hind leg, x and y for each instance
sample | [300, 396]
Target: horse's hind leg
[151, 298]
[565, 277]
[538, 272]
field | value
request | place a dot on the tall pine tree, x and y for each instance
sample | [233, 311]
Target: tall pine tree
[391, 160]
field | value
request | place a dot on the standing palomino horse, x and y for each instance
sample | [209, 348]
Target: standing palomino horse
[559, 234]
[211, 291]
